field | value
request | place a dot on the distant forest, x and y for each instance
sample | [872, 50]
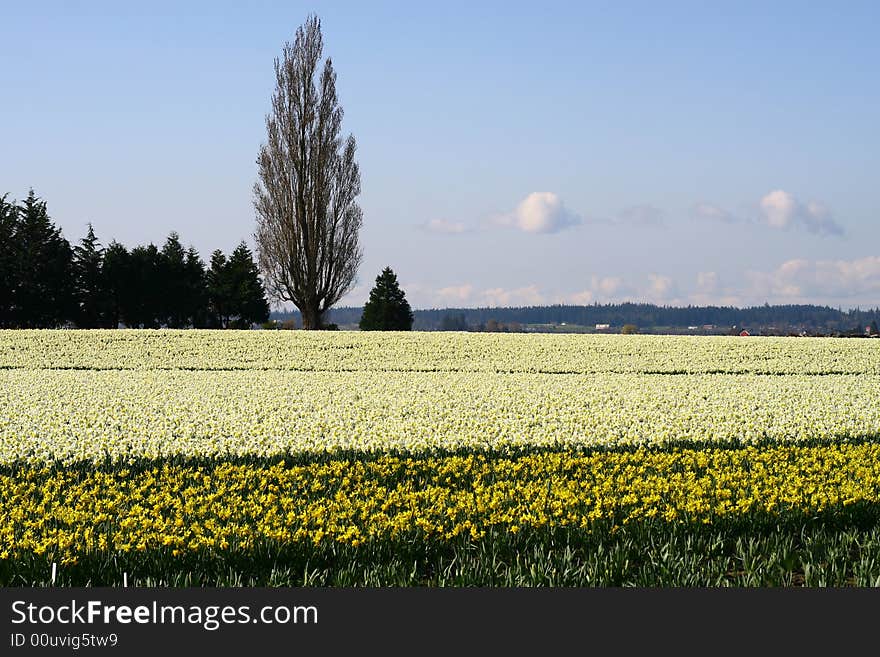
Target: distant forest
[647, 318]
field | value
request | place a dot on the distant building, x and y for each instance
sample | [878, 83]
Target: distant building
[744, 334]
[603, 327]
[708, 327]
[693, 328]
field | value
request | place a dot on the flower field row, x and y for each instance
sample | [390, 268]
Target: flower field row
[290, 458]
[444, 352]
[73, 415]
[223, 505]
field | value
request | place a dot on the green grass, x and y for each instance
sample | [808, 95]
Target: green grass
[837, 549]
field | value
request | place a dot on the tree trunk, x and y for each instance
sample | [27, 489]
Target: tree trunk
[311, 317]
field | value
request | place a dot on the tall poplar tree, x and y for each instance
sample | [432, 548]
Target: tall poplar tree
[307, 218]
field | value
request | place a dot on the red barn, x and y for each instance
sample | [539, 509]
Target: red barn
[744, 334]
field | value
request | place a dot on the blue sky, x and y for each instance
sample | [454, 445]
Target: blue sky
[511, 153]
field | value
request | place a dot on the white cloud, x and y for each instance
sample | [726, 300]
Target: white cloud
[820, 281]
[540, 212]
[444, 226]
[780, 209]
[456, 293]
[712, 212]
[707, 281]
[818, 219]
[544, 212]
[661, 289]
[613, 289]
[523, 296]
[468, 295]
[583, 298]
[709, 291]
[640, 215]
[601, 289]
[607, 286]
[845, 283]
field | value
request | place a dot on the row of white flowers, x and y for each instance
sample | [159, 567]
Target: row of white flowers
[67, 415]
[446, 352]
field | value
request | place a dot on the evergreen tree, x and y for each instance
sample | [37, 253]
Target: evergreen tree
[8, 258]
[218, 291]
[236, 296]
[88, 282]
[143, 306]
[43, 294]
[387, 308]
[173, 284]
[196, 289]
[116, 280]
[247, 297]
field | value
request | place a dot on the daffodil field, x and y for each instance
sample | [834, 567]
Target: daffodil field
[234, 458]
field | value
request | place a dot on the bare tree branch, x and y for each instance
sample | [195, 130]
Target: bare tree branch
[308, 221]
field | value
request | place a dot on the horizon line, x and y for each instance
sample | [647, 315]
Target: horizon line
[625, 303]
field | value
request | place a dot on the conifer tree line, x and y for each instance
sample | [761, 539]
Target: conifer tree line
[45, 282]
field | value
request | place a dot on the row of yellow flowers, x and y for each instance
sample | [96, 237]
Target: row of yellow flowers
[66, 513]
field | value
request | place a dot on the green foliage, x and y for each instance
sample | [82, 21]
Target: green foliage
[90, 296]
[114, 274]
[181, 278]
[453, 322]
[248, 298]
[42, 267]
[8, 222]
[172, 280]
[629, 329]
[831, 550]
[236, 295]
[219, 294]
[387, 308]
[195, 289]
[142, 301]
[47, 284]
